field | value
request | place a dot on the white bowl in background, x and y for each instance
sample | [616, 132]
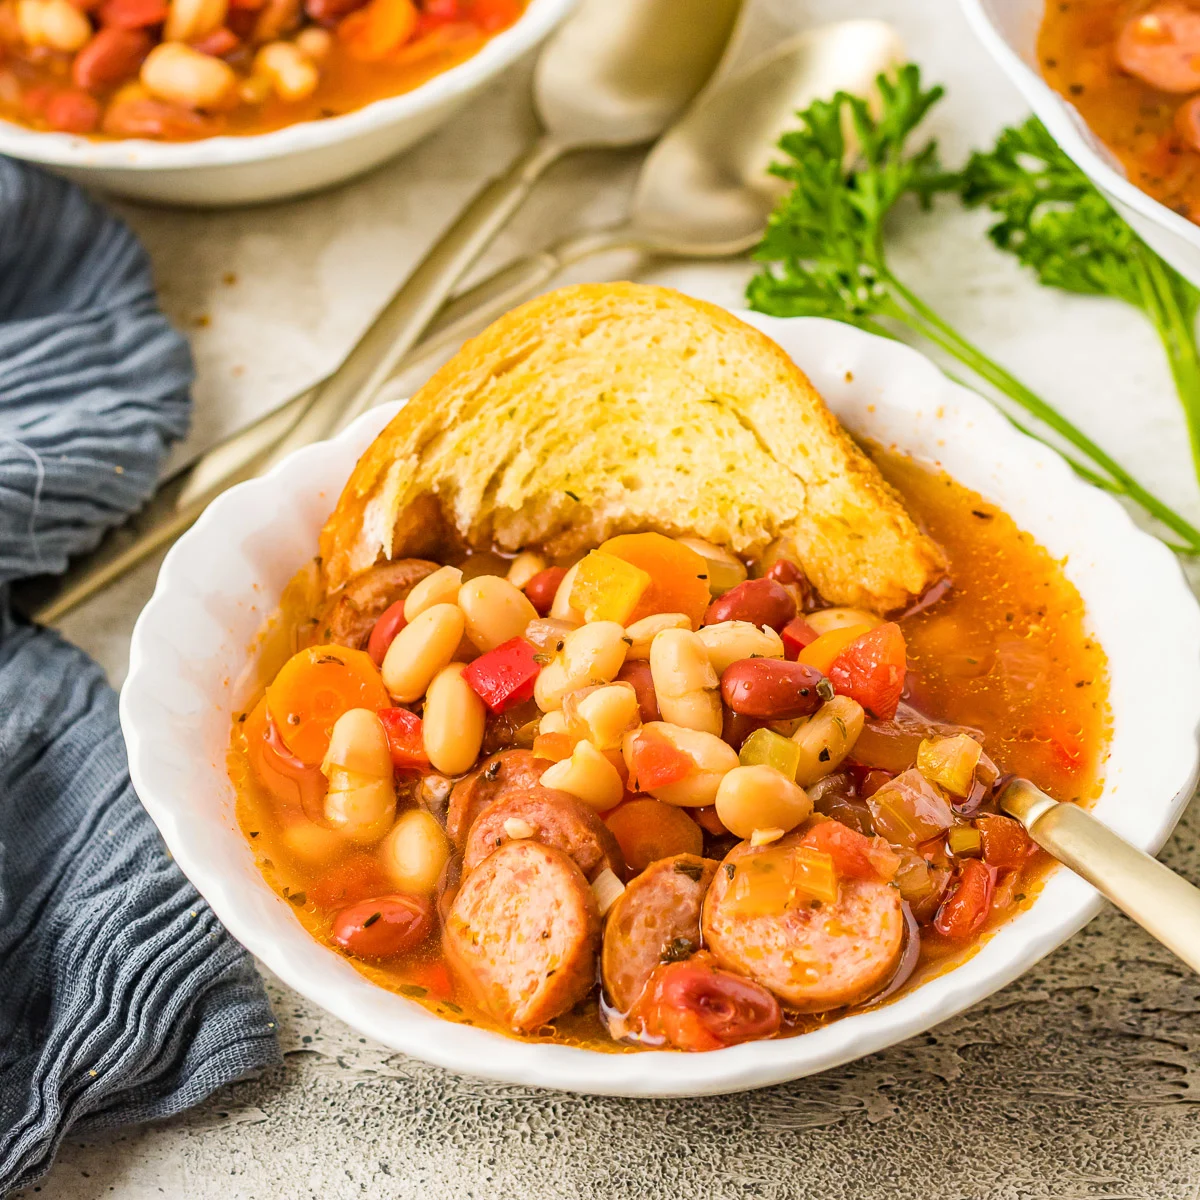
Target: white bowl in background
[225, 576]
[299, 158]
[1009, 29]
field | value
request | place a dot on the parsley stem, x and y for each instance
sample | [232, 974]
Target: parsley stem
[930, 325]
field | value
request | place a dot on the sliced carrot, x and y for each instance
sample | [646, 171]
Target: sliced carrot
[647, 830]
[374, 32]
[314, 688]
[678, 575]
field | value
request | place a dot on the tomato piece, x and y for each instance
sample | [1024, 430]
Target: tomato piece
[824, 651]
[505, 676]
[295, 786]
[494, 15]
[854, 855]
[871, 670]
[405, 738]
[1066, 746]
[314, 688]
[73, 111]
[383, 926]
[356, 877]
[694, 1005]
[132, 14]
[373, 32]
[647, 830]
[678, 575]
[383, 634]
[433, 976]
[656, 763]
[1005, 842]
[965, 909]
[797, 634]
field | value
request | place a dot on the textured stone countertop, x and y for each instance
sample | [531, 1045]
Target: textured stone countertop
[1082, 1079]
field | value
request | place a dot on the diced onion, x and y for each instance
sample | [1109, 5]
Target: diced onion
[606, 887]
[518, 829]
[764, 837]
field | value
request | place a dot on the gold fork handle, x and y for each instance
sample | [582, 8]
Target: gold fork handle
[1160, 901]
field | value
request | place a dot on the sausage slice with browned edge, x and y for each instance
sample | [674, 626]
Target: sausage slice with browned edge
[503, 772]
[656, 919]
[523, 933]
[813, 956]
[351, 614]
[554, 819]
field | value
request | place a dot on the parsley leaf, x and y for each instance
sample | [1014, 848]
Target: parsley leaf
[824, 252]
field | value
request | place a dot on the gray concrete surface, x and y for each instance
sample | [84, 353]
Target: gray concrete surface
[1079, 1081]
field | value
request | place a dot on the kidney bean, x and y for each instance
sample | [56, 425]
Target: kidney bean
[786, 572]
[771, 688]
[111, 57]
[132, 14]
[384, 926]
[636, 672]
[153, 119]
[73, 112]
[759, 601]
[542, 588]
[219, 43]
[737, 727]
[330, 12]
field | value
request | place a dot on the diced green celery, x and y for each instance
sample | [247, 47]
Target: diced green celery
[965, 841]
[771, 749]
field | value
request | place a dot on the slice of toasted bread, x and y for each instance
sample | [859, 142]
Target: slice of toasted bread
[612, 408]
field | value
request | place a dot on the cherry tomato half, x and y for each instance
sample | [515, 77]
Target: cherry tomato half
[696, 1006]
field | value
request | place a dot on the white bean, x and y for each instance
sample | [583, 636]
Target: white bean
[760, 797]
[361, 800]
[711, 757]
[440, 587]
[453, 722]
[415, 852]
[495, 611]
[292, 73]
[190, 20]
[181, 75]
[606, 714]
[589, 776]
[314, 43]
[592, 654]
[827, 737]
[643, 632]
[561, 609]
[54, 23]
[420, 650]
[685, 682]
[728, 642]
[525, 566]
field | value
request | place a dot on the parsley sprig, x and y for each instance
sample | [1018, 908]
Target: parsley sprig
[1055, 221]
[824, 253]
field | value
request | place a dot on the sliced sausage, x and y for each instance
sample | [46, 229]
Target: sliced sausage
[655, 919]
[1161, 46]
[813, 956]
[505, 771]
[554, 819]
[523, 933]
[352, 612]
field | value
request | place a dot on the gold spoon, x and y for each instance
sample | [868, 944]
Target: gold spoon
[617, 73]
[1164, 904]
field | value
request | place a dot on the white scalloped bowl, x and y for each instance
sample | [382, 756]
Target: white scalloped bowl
[226, 575]
[1008, 29]
[297, 159]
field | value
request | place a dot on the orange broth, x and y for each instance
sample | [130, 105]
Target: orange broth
[1006, 651]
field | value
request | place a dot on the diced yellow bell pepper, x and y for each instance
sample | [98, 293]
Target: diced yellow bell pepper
[950, 762]
[607, 588]
[821, 653]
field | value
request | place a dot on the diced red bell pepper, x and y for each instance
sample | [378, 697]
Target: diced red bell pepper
[657, 763]
[797, 634]
[871, 670]
[405, 738]
[966, 908]
[505, 676]
[390, 622]
[854, 855]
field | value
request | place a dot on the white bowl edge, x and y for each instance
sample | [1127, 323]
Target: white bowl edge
[1174, 237]
[191, 641]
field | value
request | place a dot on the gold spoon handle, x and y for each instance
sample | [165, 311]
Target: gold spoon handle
[1161, 902]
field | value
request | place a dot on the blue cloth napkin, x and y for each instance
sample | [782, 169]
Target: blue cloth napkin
[121, 997]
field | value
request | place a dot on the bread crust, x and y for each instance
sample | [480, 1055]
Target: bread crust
[611, 408]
